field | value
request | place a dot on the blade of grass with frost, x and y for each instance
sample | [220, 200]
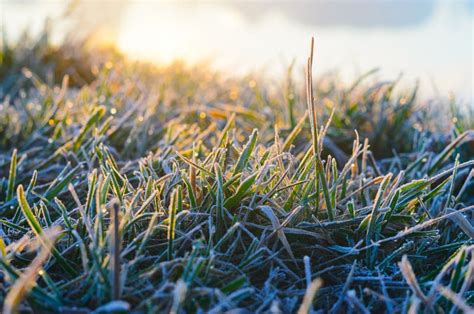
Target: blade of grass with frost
[45, 213]
[314, 135]
[83, 215]
[224, 133]
[148, 233]
[275, 187]
[192, 173]
[84, 250]
[179, 294]
[246, 152]
[11, 176]
[103, 185]
[220, 222]
[191, 195]
[193, 267]
[458, 270]
[420, 226]
[32, 183]
[38, 230]
[92, 185]
[462, 222]
[268, 211]
[57, 153]
[294, 132]
[53, 191]
[231, 182]
[334, 186]
[115, 251]
[342, 294]
[392, 205]
[94, 118]
[450, 195]
[179, 204]
[235, 285]
[303, 174]
[324, 184]
[117, 180]
[146, 203]
[445, 153]
[290, 95]
[50, 284]
[242, 191]
[464, 186]
[172, 222]
[393, 190]
[310, 101]
[376, 206]
[373, 220]
[468, 276]
[406, 247]
[227, 236]
[118, 183]
[410, 191]
[14, 226]
[442, 272]
[186, 160]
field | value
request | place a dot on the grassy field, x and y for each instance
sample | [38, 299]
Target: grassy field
[130, 186]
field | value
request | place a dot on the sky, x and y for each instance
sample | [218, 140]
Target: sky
[427, 40]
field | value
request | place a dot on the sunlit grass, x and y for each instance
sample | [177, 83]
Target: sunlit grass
[180, 189]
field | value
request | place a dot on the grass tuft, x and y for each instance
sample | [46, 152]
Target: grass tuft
[179, 189]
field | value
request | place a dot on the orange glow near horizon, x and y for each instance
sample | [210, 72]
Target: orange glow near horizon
[428, 41]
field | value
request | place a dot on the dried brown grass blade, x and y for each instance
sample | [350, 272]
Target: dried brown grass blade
[27, 280]
[410, 277]
[309, 295]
